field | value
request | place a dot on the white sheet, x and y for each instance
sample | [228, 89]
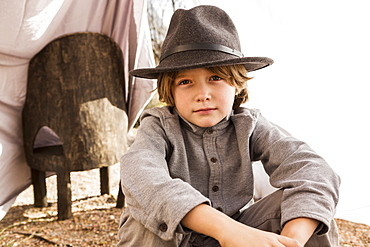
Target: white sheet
[26, 26]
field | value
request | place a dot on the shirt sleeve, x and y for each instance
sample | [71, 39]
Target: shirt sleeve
[156, 200]
[311, 187]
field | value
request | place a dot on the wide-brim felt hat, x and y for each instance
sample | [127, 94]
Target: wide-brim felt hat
[204, 36]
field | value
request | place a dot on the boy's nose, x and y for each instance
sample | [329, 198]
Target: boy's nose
[203, 94]
[203, 98]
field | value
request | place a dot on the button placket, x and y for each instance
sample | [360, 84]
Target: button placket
[209, 144]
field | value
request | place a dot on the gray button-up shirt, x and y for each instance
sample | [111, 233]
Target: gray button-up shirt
[209, 152]
[174, 166]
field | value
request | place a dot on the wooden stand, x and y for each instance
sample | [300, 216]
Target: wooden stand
[76, 88]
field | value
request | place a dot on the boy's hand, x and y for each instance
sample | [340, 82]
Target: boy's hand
[241, 235]
[230, 233]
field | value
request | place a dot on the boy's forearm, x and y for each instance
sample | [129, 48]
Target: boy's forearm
[300, 229]
[207, 220]
[198, 219]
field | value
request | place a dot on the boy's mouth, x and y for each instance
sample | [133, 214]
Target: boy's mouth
[205, 110]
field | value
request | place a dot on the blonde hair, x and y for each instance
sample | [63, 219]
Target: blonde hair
[236, 76]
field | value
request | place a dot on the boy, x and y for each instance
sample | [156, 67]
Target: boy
[188, 176]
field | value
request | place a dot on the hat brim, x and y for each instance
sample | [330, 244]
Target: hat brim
[250, 63]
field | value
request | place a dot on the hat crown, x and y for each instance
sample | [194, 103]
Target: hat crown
[202, 37]
[201, 25]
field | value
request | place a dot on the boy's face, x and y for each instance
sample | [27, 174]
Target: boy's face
[202, 97]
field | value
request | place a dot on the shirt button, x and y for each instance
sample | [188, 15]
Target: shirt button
[215, 188]
[163, 227]
[213, 160]
[209, 131]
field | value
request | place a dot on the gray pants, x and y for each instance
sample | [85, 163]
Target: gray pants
[264, 215]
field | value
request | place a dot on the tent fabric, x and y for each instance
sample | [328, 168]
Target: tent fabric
[26, 26]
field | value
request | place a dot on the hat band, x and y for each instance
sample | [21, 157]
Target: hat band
[207, 46]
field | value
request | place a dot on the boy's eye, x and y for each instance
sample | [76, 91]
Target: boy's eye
[184, 82]
[215, 78]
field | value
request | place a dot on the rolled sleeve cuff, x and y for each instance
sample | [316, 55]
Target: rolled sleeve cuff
[323, 216]
[167, 229]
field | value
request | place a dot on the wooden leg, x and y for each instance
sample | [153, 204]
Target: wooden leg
[64, 194]
[120, 197]
[39, 188]
[104, 180]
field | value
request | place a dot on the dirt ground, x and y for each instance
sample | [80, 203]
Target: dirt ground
[95, 218]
